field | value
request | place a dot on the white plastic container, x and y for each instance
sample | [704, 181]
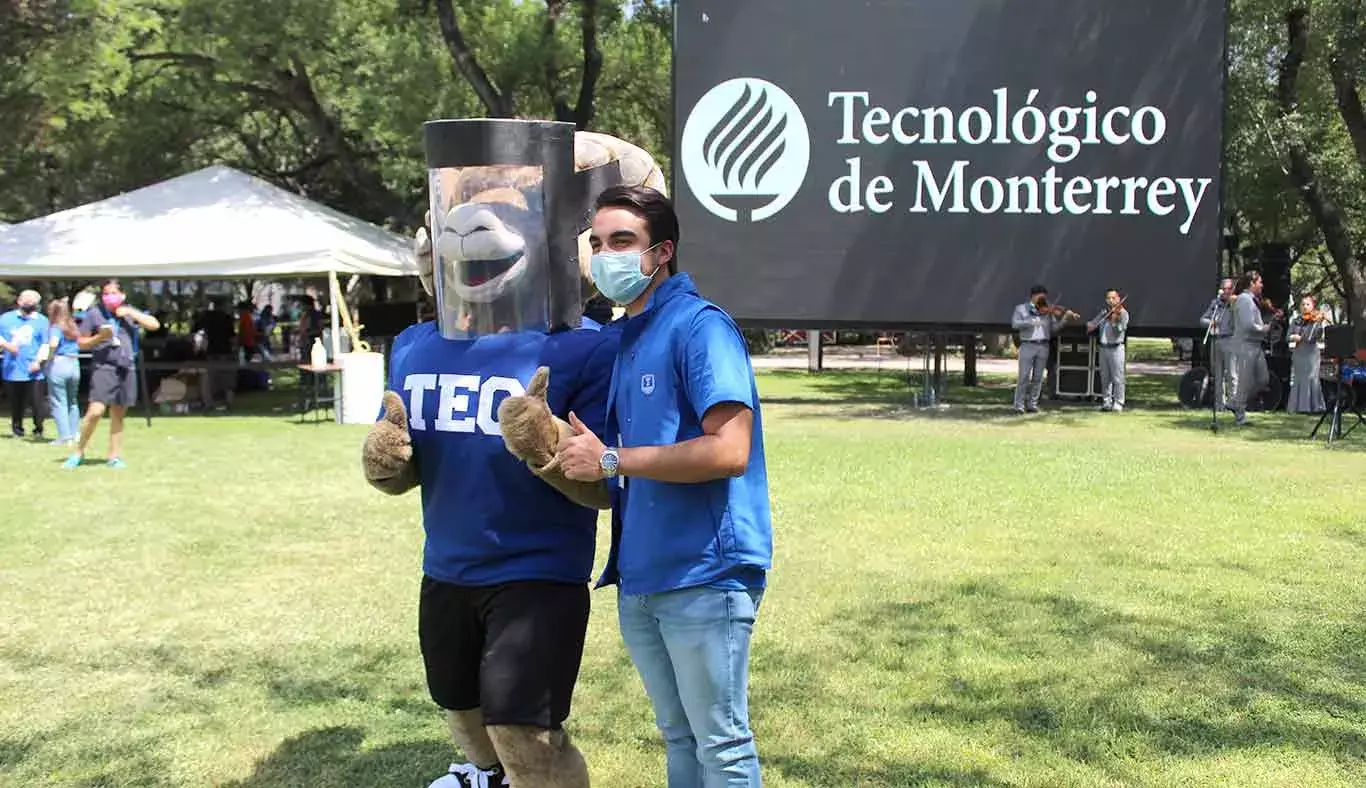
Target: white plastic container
[317, 354]
[362, 387]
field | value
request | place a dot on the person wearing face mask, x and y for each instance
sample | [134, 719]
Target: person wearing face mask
[23, 352]
[684, 460]
[109, 333]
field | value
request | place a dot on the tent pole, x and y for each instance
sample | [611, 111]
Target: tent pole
[336, 315]
[142, 385]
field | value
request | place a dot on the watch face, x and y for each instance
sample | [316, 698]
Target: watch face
[609, 461]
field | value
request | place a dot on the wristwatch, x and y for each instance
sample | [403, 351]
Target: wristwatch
[609, 462]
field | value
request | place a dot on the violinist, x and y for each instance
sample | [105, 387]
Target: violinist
[1306, 329]
[1249, 331]
[1036, 321]
[1112, 329]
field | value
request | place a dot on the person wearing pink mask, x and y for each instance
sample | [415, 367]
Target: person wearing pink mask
[108, 334]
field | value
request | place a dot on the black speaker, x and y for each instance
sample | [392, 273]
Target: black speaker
[1273, 261]
[1339, 342]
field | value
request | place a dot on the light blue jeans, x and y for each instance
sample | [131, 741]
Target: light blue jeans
[63, 385]
[691, 648]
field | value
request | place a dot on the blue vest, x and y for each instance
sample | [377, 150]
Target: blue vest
[667, 374]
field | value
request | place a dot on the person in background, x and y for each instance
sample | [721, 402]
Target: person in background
[686, 463]
[107, 333]
[1306, 329]
[1249, 332]
[1036, 323]
[23, 340]
[310, 326]
[265, 331]
[64, 373]
[1218, 320]
[248, 341]
[1112, 332]
[217, 329]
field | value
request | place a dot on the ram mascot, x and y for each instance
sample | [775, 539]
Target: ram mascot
[477, 401]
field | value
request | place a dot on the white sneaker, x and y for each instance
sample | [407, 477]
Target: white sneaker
[467, 775]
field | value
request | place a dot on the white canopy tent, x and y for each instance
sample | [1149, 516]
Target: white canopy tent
[215, 223]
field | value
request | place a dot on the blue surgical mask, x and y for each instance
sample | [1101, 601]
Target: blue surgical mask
[618, 275]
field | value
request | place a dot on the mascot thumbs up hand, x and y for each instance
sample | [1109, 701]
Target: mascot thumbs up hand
[531, 432]
[387, 456]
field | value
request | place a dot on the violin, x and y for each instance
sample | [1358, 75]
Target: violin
[1055, 310]
[1313, 316]
[1270, 307]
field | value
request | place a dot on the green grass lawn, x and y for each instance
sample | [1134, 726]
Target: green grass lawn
[961, 597]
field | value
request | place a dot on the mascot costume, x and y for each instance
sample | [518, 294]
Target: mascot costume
[476, 404]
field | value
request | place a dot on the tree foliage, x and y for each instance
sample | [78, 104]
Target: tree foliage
[327, 98]
[324, 97]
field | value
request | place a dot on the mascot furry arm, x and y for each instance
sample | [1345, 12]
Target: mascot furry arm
[531, 432]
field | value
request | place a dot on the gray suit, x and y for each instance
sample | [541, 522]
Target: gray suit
[1110, 337]
[1035, 332]
[1248, 332]
[1224, 359]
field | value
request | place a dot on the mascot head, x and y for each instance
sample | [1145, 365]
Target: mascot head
[511, 202]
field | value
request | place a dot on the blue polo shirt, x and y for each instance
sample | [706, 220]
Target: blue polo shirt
[679, 357]
[30, 334]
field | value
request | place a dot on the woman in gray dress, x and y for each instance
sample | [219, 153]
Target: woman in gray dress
[1305, 330]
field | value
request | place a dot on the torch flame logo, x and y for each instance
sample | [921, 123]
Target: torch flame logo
[747, 141]
[745, 149]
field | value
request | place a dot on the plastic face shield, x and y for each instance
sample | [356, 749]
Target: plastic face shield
[506, 210]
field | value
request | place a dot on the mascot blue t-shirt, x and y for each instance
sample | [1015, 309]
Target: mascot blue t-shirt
[488, 519]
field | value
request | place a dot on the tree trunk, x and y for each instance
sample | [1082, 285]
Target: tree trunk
[1327, 215]
[498, 103]
[581, 114]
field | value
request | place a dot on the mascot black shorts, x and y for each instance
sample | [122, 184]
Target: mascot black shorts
[511, 650]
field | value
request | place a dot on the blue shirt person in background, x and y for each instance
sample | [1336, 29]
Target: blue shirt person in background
[23, 352]
[64, 373]
[108, 331]
[692, 538]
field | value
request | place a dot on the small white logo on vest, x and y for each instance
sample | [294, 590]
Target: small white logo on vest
[647, 383]
[745, 149]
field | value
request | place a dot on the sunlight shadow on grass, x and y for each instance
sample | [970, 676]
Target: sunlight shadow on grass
[1105, 687]
[333, 757]
[826, 771]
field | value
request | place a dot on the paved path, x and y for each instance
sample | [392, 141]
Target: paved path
[865, 358]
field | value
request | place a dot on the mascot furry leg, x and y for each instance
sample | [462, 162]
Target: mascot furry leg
[507, 261]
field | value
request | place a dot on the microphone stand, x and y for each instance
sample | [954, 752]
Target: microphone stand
[1214, 377]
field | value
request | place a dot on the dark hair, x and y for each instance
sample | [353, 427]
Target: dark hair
[1245, 281]
[1036, 289]
[655, 208]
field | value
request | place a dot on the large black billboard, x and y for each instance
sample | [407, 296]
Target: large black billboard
[924, 162]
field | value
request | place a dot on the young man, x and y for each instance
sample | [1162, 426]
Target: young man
[1218, 319]
[1036, 322]
[107, 333]
[1249, 331]
[1112, 327]
[23, 351]
[692, 539]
